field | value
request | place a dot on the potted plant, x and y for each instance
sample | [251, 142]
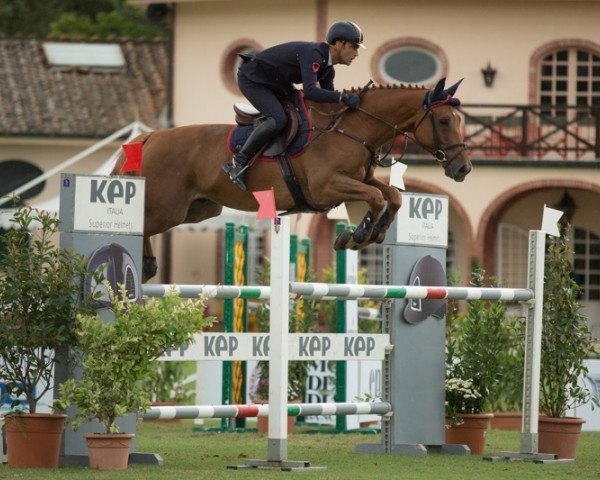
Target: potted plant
[477, 344]
[39, 298]
[116, 360]
[566, 343]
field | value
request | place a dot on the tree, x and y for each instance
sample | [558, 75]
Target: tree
[82, 18]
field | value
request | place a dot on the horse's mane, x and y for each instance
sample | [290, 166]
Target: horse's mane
[387, 86]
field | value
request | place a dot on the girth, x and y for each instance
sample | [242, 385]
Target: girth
[302, 206]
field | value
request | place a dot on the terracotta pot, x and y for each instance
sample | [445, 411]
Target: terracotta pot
[471, 432]
[108, 451]
[507, 421]
[559, 435]
[33, 439]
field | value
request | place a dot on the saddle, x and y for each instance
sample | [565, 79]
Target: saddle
[294, 139]
[248, 116]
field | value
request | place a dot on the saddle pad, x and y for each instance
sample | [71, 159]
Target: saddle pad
[239, 134]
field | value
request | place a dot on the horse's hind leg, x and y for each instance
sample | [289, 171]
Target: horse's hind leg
[149, 265]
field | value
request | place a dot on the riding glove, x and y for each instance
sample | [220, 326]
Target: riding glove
[353, 101]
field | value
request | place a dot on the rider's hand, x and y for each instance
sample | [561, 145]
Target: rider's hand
[353, 101]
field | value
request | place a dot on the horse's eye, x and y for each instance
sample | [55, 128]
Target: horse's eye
[445, 120]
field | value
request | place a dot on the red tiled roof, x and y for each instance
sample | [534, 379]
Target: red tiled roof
[37, 100]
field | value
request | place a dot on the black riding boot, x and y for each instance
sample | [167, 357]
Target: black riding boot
[236, 167]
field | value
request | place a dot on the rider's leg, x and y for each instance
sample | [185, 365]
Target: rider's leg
[266, 102]
[257, 139]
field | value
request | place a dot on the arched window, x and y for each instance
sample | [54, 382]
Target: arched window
[16, 173]
[512, 255]
[586, 263]
[568, 75]
[371, 258]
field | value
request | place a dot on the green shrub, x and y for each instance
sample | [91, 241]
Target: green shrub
[117, 357]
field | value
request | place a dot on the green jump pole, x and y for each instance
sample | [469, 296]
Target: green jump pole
[340, 327]
[231, 236]
[228, 274]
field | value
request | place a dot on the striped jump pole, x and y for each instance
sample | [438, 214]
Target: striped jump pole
[210, 291]
[326, 291]
[248, 411]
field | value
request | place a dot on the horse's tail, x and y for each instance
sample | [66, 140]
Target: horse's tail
[142, 137]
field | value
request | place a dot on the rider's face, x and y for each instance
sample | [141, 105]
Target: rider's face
[347, 51]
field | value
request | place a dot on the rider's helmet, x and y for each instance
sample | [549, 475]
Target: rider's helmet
[345, 31]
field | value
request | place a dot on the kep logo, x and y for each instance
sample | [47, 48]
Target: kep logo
[425, 207]
[105, 191]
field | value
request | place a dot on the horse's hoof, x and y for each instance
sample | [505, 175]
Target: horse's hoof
[342, 240]
[374, 235]
[359, 236]
[149, 268]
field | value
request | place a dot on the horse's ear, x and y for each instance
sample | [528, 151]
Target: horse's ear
[435, 94]
[439, 88]
[452, 90]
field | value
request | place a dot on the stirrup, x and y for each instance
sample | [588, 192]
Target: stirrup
[239, 181]
[236, 176]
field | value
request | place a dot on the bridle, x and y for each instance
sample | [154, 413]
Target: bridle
[439, 150]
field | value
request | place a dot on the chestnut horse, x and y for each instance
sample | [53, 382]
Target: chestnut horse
[185, 182]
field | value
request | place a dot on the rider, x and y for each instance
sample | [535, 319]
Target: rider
[267, 76]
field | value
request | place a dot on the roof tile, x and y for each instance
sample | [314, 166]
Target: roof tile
[38, 100]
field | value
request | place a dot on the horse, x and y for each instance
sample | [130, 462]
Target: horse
[186, 184]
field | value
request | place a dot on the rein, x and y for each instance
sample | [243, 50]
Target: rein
[439, 150]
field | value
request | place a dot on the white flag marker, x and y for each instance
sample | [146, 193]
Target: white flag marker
[397, 174]
[550, 220]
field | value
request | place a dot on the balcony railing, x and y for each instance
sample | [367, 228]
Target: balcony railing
[528, 132]
[532, 132]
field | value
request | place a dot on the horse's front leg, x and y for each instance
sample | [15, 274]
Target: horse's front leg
[394, 202]
[341, 189]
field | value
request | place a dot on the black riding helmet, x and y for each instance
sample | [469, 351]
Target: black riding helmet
[345, 31]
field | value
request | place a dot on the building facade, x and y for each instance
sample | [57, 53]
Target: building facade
[530, 106]
[530, 102]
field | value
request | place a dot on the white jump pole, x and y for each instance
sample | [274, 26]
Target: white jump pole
[529, 448]
[277, 448]
[533, 339]
[278, 330]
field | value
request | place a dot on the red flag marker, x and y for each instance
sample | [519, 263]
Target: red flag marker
[133, 157]
[266, 204]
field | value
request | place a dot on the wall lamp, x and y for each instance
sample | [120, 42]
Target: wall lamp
[489, 74]
[568, 206]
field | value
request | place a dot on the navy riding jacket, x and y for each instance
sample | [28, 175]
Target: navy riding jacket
[305, 63]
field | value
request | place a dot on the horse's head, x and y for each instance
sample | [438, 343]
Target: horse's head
[438, 131]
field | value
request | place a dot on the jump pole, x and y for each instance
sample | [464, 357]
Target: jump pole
[277, 446]
[235, 318]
